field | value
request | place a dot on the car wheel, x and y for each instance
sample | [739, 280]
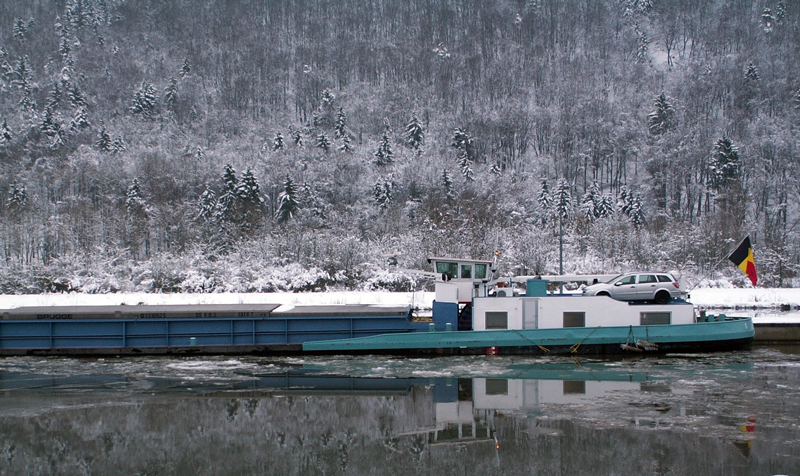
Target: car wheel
[662, 297]
[603, 293]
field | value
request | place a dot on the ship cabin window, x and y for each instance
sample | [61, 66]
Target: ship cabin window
[447, 268]
[655, 318]
[574, 319]
[496, 386]
[496, 320]
[466, 271]
[574, 387]
[480, 271]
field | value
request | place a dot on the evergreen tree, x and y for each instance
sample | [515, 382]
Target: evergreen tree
[590, 202]
[76, 97]
[287, 202]
[340, 127]
[326, 100]
[462, 143]
[346, 146]
[17, 198]
[383, 192]
[384, 154]
[103, 140]
[54, 98]
[248, 189]
[780, 11]
[80, 121]
[323, 142]
[278, 143]
[496, 169]
[465, 164]
[134, 200]
[624, 201]
[144, 100]
[5, 134]
[415, 134]
[606, 207]
[229, 179]
[171, 95]
[636, 215]
[118, 145]
[545, 200]
[723, 165]
[20, 30]
[563, 201]
[752, 76]
[662, 119]
[767, 20]
[297, 137]
[208, 205]
[49, 124]
[186, 68]
[643, 45]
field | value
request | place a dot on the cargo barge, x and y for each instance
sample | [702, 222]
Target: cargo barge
[472, 314]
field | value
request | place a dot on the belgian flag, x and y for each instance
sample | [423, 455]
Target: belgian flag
[742, 257]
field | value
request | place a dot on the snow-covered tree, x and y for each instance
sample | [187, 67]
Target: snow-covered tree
[54, 98]
[186, 68]
[384, 155]
[76, 97]
[17, 198]
[340, 127]
[462, 143]
[208, 205]
[767, 20]
[624, 201]
[346, 147]
[288, 204]
[590, 202]
[278, 143]
[134, 200]
[563, 201]
[297, 137]
[144, 100]
[118, 145]
[5, 133]
[171, 95]
[636, 215]
[383, 192]
[248, 189]
[723, 165]
[606, 207]
[642, 46]
[415, 134]
[662, 119]
[80, 121]
[323, 142]
[20, 30]
[545, 200]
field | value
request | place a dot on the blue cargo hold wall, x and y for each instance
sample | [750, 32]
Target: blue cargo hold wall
[198, 334]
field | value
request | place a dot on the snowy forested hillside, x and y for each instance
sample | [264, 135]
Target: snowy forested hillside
[293, 145]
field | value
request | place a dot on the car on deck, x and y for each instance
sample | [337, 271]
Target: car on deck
[643, 286]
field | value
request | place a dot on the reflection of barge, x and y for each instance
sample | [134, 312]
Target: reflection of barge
[472, 314]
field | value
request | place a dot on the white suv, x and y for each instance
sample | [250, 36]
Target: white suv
[658, 287]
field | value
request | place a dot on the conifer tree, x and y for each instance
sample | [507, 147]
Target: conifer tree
[383, 192]
[5, 134]
[545, 200]
[297, 137]
[144, 100]
[103, 140]
[606, 207]
[636, 216]
[171, 95]
[208, 205]
[462, 143]
[590, 202]
[723, 165]
[76, 97]
[662, 119]
[80, 121]
[563, 201]
[278, 142]
[186, 68]
[54, 98]
[134, 200]
[496, 169]
[624, 201]
[384, 154]
[17, 198]
[248, 189]
[20, 30]
[643, 45]
[767, 20]
[340, 127]
[118, 145]
[346, 147]
[415, 134]
[287, 202]
[323, 142]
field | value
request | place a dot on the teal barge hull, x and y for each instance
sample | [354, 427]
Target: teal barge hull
[697, 337]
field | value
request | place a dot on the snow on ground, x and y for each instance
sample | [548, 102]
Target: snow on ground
[746, 298]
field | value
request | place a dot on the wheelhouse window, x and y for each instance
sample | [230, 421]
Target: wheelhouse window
[496, 386]
[447, 268]
[655, 318]
[466, 271]
[480, 271]
[574, 319]
[496, 320]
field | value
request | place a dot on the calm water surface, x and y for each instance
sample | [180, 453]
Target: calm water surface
[717, 414]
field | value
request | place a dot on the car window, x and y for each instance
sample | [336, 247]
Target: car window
[664, 279]
[647, 278]
[628, 280]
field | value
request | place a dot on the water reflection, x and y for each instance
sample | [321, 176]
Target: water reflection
[734, 414]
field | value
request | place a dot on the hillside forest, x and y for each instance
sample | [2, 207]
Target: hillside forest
[253, 145]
